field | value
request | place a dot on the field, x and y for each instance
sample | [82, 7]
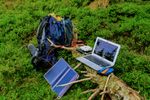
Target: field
[126, 22]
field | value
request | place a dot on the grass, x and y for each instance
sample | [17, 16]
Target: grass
[126, 23]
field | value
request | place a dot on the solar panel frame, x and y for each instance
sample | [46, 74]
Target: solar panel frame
[58, 74]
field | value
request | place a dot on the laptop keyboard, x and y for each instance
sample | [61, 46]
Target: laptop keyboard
[95, 60]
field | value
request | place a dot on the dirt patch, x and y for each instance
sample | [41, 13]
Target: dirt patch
[11, 4]
[99, 3]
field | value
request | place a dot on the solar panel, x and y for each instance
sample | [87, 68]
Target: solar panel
[60, 73]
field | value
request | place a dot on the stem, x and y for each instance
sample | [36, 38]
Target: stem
[85, 79]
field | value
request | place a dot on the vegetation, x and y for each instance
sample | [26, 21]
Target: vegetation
[126, 22]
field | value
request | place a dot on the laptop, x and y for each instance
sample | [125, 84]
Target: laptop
[104, 54]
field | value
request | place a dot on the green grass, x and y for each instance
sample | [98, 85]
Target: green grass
[126, 23]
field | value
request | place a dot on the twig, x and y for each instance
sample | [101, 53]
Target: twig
[61, 46]
[85, 79]
[104, 92]
[94, 94]
[102, 98]
[69, 48]
[137, 98]
[91, 90]
[77, 66]
[89, 75]
[84, 72]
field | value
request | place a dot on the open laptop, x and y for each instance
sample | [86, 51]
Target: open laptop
[104, 54]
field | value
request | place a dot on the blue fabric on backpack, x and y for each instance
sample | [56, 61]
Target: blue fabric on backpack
[61, 32]
[55, 29]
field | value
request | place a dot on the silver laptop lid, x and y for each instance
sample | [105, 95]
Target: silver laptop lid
[106, 50]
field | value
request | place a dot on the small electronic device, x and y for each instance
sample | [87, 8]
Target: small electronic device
[84, 49]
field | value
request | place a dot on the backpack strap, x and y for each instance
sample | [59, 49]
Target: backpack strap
[42, 25]
[41, 34]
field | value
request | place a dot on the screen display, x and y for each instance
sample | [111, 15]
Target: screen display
[105, 50]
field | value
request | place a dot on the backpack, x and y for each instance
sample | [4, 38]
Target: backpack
[60, 32]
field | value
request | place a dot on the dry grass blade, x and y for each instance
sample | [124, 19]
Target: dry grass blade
[87, 91]
[94, 94]
[104, 92]
[85, 79]
[102, 98]
[78, 65]
[83, 72]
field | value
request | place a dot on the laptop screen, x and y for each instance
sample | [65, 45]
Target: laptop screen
[105, 50]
